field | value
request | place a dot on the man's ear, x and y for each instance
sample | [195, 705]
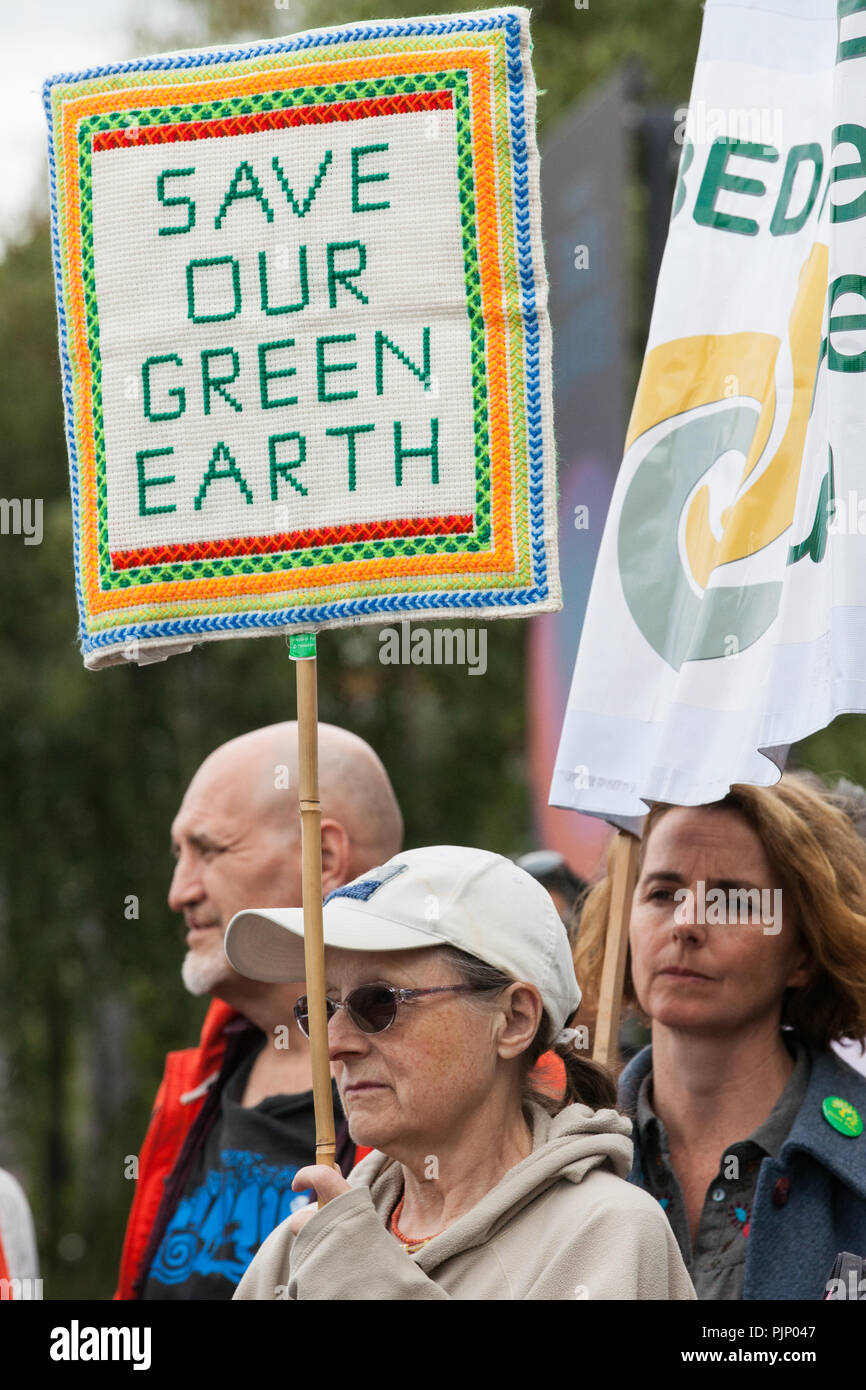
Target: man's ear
[336, 856]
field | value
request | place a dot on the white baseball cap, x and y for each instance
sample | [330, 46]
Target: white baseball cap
[444, 895]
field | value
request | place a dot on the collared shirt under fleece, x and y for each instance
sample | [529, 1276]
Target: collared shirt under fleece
[810, 1196]
[716, 1261]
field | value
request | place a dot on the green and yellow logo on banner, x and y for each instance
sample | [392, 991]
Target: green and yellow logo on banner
[720, 395]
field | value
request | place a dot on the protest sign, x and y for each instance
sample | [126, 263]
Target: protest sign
[304, 334]
[727, 617]
[305, 352]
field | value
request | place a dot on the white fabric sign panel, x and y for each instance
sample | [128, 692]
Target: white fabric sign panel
[322, 305]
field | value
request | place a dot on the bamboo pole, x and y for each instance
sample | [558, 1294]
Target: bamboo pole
[302, 649]
[624, 876]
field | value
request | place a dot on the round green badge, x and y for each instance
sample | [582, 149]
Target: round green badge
[842, 1116]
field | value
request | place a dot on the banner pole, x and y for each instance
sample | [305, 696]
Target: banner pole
[623, 878]
[302, 650]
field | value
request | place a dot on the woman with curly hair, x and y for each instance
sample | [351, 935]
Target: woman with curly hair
[747, 953]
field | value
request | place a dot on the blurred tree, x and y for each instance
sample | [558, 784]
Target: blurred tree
[834, 752]
[573, 47]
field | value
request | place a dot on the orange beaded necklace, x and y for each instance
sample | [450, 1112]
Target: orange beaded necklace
[410, 1244]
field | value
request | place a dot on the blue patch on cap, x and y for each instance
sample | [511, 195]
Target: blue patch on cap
[364, 888]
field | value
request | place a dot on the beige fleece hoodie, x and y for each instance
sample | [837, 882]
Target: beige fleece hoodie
[562, 1224]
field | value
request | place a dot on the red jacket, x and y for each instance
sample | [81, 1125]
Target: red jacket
[4, 1273]
[187, 1078]
[187, 1103]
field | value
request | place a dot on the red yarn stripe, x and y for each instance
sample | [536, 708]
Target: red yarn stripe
[292, 540]
[319, 114]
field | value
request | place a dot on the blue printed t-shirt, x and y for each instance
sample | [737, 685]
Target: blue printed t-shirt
[239, 1190]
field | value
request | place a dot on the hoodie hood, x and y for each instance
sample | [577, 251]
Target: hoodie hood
[561, 1224]
[566, 1147]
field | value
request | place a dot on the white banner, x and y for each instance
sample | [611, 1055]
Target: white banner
[727, 616]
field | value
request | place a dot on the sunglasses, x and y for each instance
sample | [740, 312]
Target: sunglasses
[373, 1008]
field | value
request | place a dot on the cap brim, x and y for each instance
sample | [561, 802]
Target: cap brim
[267, 944]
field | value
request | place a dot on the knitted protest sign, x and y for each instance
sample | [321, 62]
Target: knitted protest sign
[304, 334]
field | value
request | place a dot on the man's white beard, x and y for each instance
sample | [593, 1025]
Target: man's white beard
[203, 971]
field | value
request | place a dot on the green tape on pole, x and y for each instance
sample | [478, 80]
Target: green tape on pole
[302, 646]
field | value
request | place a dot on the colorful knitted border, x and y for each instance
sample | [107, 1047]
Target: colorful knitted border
[502, 557]
[506, 565]
[123, 573]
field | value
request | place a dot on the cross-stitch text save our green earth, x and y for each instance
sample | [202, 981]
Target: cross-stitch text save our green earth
[327, 366]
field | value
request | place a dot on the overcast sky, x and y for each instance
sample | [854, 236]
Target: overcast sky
[39, 38]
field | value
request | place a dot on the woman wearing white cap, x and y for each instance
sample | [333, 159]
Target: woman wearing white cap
[449, 974]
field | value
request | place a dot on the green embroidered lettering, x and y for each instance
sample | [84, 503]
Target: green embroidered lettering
[175, 202]
[190, 288]
[422, 373]
[144, 482]
[358, 178]
[265, 375]
[400, 453]
[854, 135]
[815, 544]
[218, 383]
[213, 473]
[350, 431]
[845, 323]
[828, 185]
[782, 224]
[301, 209]
[176, 391]
[849, 48]
[342, 277]
[281, 468]
[267, 307]
[250, 189]
[323, 367]
[717, 179]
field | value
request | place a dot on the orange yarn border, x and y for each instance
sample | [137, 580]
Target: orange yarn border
[501, 558]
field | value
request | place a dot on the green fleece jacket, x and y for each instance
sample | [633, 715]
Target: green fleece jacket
[562, 1224]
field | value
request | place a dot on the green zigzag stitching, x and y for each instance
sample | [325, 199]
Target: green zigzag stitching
[456, 81]
[494, 44]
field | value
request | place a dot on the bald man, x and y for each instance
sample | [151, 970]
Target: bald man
[233, 1119]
